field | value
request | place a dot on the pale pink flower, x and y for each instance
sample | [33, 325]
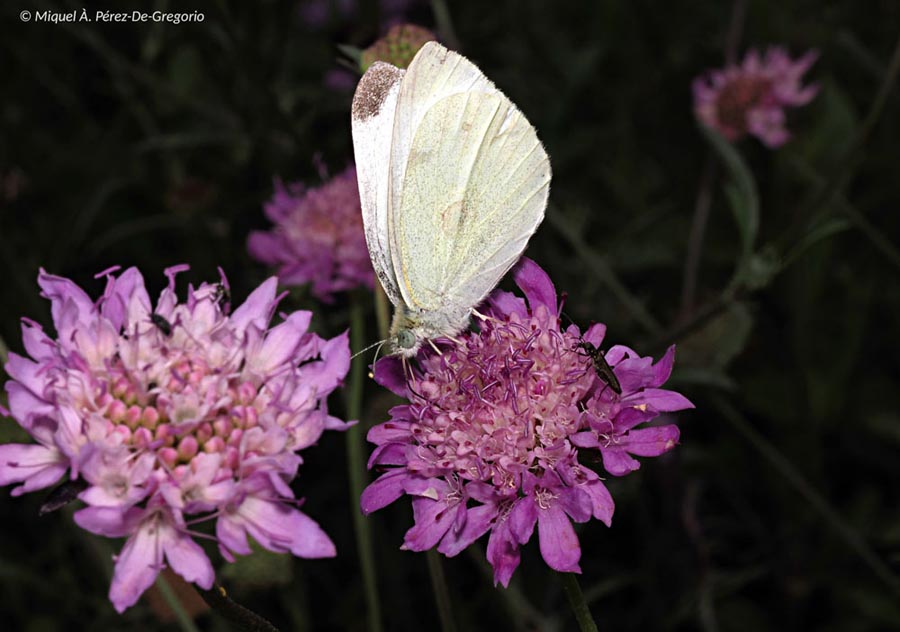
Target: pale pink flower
[317, 237]
[171, 415]
[751, 98]
[491, 437]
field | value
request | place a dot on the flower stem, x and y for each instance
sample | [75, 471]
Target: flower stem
[382, 313]
[218, 600]
[435, 568]
[441, 594]
[185, 622]
[444, 23]
[703, 204]
[579, 605]
[356, 465]
[695, 239]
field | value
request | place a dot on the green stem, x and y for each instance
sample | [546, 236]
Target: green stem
[696, 237]
[818, 502]
[246, 619]
[185, 622]
[382, 313]
[356, 465]
[444, 23]
[441, 593]
[435, 567]
[579, 605]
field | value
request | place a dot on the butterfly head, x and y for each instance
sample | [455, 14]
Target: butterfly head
[411, 328]
[407, 334]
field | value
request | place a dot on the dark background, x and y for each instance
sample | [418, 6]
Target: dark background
[156, 144]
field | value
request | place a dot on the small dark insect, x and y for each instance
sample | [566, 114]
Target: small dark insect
[601, 366]
[62, 495]
[164, 325]
[222, 295]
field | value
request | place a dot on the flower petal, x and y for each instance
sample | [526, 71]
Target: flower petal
[478, 521]
[535, 284]
[559, 544]
[383, 491]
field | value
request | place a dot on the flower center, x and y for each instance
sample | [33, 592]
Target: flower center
[502, 403]
[737, 97]
[177, 409]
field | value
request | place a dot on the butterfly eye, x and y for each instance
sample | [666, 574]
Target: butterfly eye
[406, 339]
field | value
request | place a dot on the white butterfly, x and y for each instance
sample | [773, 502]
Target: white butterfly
[453, 182]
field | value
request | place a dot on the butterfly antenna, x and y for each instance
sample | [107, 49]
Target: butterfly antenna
[374, 344]
[375, 361]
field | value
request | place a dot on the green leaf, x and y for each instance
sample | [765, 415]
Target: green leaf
[818, 233]
[740, 189]
[352, 53]
[719, 342]
[830, 133]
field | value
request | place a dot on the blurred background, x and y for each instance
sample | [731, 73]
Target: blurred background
[156, 144]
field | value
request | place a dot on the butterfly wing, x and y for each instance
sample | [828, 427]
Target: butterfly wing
[372, 120]
[475, 184]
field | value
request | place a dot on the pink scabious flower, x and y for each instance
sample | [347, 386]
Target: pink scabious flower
[751, 98]
[170, 416]
[318, 237]
[491, 437]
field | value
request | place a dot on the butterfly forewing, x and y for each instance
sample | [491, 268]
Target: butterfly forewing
[372, 119]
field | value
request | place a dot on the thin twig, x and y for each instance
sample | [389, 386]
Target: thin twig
[735, 30]
[816, 500]
[822, 197]
[603, 271]
[876, 236]
[696, 237]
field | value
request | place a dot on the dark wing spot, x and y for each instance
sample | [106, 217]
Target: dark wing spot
[373, 89]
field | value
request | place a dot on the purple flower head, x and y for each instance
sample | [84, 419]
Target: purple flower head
[751, 98]
[173, 415]
[490, 439]
[318, 237]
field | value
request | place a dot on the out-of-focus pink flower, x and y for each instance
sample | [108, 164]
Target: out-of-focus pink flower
[398, 47]
[751, 98]
[318, 237]
[173, 414]
[490, 439]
